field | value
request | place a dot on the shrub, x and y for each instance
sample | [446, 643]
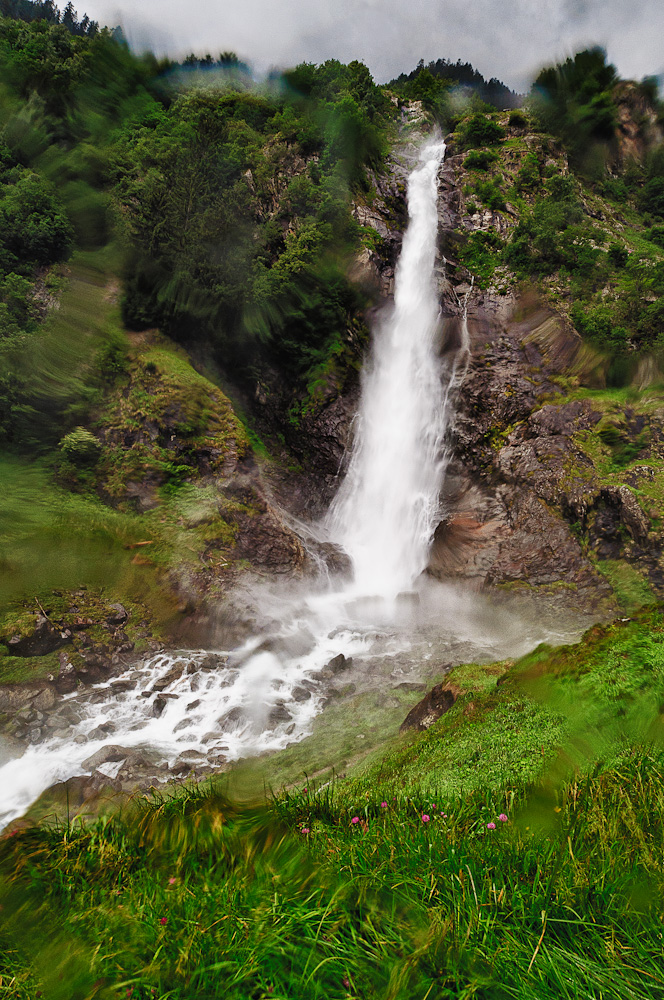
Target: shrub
[80, 447]
[598, 324]
[518, 120]
[480, 159]
[651, 197]
[656, 236]
[528, 177]
[618, 254]
[490, 195]
[481, 130]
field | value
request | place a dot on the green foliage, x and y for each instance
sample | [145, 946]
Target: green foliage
[554, 235]
[81, 447]
[528, 177]
[618, 254]
[598, 325]
[656, 236]
[651, 197]
[480, 129]
[480, 159]
[490, 194]
[573, 100]
[34, 229]
[517, 119]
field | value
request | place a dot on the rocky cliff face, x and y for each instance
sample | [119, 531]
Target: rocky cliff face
[554, 481]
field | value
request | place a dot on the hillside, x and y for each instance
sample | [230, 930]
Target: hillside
[463, 800]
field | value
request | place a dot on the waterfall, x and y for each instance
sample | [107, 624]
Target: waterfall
[385, 512]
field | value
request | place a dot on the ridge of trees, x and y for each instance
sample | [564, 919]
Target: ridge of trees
[46, 10]
[464, 76]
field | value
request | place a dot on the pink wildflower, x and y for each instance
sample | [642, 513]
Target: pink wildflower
[305, 789]
[172, 880]
[383, 805]
[491, 826]
[425, 817]
[355, 819]
[163, 920]
[444, 815]
[305, 829]
[503, 818]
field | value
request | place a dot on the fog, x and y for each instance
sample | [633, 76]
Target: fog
[390, 36]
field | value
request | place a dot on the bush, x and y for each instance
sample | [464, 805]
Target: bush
[651, 197]
[656, 236]
[518, 120]
[480, 159]
[481, 130]
[528, 177]
[80, 447]
[598, 325]
[33, 226]
[618, 254]
[490, 195]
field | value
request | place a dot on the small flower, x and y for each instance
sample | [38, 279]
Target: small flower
[305, 829]
[383, 805]
[172, 880]
[433, 806]
[345, 982]
[355, 819]
[305, 789]
[425, 817]
[163, 920]
[503, 818]
[491, 826]
[444, 815]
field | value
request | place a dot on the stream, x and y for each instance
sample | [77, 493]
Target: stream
[390, 625]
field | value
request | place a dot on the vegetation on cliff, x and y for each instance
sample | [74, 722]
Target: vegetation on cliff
[163, 223]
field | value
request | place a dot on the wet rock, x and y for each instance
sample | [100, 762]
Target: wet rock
[67, 679]
[263, 538]
[100, 732]
[107, 755]
[169, 678]
[438, 701]
[212, 661]
[278, 714]
[121, 686]
[300, 694]
[44, 638]
[44, 700]
[339, 663]
[408, 598]
[337, 694]
[409, 686]
[14, 698]
[119, 615]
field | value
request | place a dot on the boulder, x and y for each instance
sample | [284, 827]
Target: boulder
[44, 638]
[438, 701]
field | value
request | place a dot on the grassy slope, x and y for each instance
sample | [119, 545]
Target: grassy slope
[195, 896]
[56, 534]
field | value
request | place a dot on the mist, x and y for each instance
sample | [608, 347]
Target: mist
[391, 36]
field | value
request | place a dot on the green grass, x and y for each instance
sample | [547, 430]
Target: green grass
[196, 897]
[389, 884]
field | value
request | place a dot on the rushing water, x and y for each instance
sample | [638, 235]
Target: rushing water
[385, 513]
[201, 707]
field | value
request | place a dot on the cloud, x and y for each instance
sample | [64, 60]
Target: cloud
[390, 36]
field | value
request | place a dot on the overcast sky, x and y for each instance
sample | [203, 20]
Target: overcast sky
[509, 39]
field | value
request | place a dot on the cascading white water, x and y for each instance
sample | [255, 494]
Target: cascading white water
[384, 514]
[265, 694]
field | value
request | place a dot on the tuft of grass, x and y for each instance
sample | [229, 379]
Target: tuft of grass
[323, 893]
